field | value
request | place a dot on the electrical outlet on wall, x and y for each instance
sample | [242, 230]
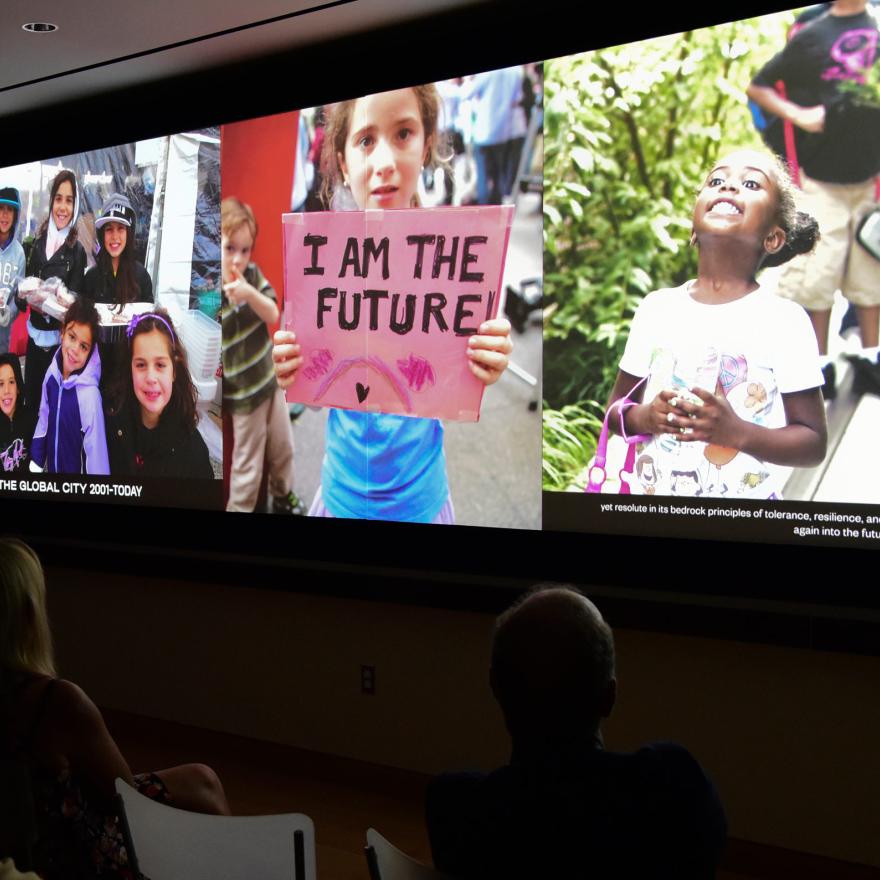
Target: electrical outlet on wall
[368, 679]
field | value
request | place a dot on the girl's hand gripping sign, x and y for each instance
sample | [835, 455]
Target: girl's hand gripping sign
[383, 303]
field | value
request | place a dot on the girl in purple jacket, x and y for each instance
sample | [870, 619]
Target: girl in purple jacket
[70, 436]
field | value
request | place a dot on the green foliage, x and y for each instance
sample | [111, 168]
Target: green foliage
[629, 134]
[864, 94]
[569, 444]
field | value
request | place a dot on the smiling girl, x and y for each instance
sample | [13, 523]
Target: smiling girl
[117, 278]
[732, 397]
[152, 422]
[380, 466]
[16, 419]
[70, 438]
[55, 253]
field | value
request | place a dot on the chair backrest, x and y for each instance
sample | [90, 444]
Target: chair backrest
[18, 826]
[172, 844]
[387, 862]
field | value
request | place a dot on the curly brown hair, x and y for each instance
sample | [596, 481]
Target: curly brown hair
[82, 311]
[801, 229]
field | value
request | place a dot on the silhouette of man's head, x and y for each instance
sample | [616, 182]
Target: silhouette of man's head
[553, 666]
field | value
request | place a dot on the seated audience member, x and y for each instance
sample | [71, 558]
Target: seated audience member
[52, 726]
[564, 807]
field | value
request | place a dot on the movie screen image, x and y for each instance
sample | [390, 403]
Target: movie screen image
[109, 340]
[712, 302]
[394, 241]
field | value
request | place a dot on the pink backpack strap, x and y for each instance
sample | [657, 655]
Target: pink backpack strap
[598, 474]
[790, 148]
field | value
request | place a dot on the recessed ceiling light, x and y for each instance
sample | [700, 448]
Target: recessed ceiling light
[39, 27]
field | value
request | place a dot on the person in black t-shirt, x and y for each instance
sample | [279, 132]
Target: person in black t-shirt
[563, 806]
[838, 151]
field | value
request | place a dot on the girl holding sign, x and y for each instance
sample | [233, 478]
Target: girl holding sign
[379, 466]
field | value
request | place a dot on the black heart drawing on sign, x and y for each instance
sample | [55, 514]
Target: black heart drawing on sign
[362, 392]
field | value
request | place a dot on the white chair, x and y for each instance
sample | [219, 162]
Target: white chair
[387, 862]
[165, 843]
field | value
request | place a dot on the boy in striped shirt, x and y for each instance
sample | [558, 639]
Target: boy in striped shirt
[260, 421]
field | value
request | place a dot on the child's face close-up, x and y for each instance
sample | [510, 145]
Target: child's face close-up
[76, 344]
[152, 374]
[8, 391]
[236, 251]
[7, 215]
[115, 239]
[739, 198]
[385, 150]
[62, 205]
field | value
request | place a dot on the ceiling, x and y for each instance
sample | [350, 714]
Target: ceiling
[101, 46]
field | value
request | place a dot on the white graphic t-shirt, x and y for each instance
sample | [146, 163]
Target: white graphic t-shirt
[753, 350]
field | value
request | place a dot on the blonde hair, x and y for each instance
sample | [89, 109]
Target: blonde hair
[8, 871]
[337, 127]
[25, 638]
[234, 214]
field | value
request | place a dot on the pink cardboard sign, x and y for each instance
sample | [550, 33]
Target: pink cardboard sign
[383, 303]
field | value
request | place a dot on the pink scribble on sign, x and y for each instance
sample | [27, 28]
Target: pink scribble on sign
[319, 364]
[417, 371]
[372, 363]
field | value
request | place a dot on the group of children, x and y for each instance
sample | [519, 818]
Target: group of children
[759, 413]
[71, 414]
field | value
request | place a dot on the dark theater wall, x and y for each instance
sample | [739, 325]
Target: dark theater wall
[788, 735]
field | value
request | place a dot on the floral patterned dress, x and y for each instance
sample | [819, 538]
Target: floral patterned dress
[77, 838]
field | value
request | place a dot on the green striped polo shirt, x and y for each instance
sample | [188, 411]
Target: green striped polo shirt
[248, 373]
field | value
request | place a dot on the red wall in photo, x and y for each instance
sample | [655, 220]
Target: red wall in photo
[256, 166]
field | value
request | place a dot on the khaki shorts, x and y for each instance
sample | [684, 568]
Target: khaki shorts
[838, 262]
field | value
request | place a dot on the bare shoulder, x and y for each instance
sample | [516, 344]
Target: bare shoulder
[70, 702]
[74, 733]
